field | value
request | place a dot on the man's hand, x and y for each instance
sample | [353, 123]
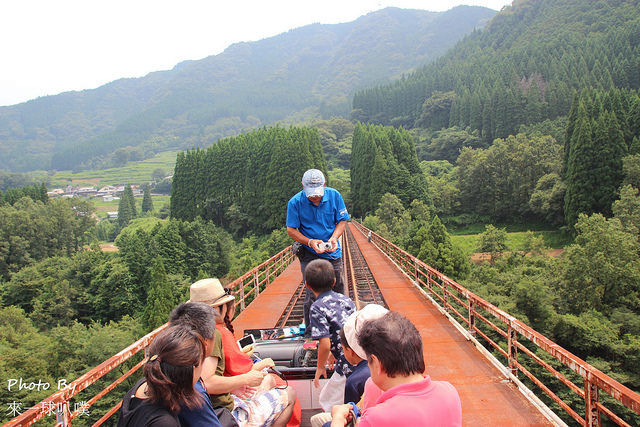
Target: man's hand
[334, 244]
[244, 392]
[321, 371]
[248, 350]
[254, 378]
[340, 415]
[264, 363]
[313, 243]
[331, 361]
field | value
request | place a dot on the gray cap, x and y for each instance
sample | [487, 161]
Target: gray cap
[313, 183]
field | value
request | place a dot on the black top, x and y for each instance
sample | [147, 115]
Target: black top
[143, 412]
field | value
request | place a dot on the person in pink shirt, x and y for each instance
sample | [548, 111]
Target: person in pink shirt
[410, 398]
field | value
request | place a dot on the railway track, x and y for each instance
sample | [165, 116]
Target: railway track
[360, 284]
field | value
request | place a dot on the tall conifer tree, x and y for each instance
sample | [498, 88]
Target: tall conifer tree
[579, 197]
[147, 201]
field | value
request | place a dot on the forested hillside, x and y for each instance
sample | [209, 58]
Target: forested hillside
[523, 68]
[307, 72]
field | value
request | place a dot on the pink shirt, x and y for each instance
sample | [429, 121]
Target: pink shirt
[371, 394]
[425, 403]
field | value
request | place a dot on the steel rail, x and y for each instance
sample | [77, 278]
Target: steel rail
[364, 286]
[594, 379]
[370, 286]
[292, 305]
[348, 262]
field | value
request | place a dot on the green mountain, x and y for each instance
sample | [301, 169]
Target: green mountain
[308, 72]
[524, 67]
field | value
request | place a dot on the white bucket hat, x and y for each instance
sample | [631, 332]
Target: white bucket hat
[354, 323]
[210, 291]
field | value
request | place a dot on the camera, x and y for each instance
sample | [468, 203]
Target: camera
[325, 246]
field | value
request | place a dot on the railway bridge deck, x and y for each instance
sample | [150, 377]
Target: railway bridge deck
[488, 398]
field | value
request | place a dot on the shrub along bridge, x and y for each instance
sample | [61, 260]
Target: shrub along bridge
[505, 372]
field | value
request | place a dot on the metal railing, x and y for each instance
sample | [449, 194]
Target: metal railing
[454, 298]
[245, 288]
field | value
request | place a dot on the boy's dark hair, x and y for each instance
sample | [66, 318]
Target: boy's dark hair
[173, 354]
[396, 342]
[198, 316]
[319, 275]
[343, 340]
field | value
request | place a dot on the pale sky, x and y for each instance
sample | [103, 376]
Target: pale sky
[48, 47]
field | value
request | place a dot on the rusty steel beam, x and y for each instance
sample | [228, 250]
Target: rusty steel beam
[552, 395]
[556, 374]
[108, 415]
[589, 373]
[113, 385]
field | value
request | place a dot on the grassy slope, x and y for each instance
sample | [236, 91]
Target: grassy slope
[515, 240]
[133, 173]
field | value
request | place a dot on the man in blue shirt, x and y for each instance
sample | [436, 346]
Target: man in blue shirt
[317, 215]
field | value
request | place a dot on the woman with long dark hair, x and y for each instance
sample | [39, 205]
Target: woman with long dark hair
[172, 370]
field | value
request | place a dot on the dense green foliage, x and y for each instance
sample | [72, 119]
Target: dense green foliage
[499, 181]
[601, 130]
[147, 201]
[522, 69]
[31, 231]
[57, 356]
[493, 241]
[383, 161]
[587, 301]
[244, 183]
[64, 313]
[126, 207]
[35, 192]
[413, 230]
[303, 74]
[18, 180]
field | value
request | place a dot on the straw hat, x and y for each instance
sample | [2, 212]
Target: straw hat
[210, 291]
[354, 323]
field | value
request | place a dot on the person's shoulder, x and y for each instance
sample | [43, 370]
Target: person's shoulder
[332, 192]
[296, 197]
[166, 419]
[445, 387]
[337, 296]
[331, 296]
[317, 305]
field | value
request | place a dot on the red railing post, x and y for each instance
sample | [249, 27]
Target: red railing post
[472, 317]
[591, 413]
[445, 295]
[513, 350]
[256, 283]
[242, 285]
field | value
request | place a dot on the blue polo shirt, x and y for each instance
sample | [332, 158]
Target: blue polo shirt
[318, 222]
